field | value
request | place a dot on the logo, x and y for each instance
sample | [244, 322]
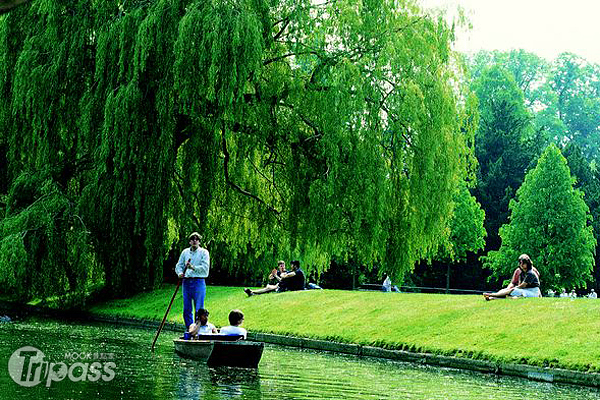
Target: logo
[28, 367]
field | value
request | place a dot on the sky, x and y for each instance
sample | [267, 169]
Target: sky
[546, 28]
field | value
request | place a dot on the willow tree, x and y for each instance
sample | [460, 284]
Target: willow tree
[274, 128]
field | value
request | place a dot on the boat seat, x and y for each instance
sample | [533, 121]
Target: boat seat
[225, 338]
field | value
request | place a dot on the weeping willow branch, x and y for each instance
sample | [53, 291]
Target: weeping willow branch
[234, 185]
[182, 194]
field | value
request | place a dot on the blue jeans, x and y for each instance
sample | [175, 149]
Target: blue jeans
[193, 290]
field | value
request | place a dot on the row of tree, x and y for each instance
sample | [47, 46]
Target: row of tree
[341, 130]
[525, 105]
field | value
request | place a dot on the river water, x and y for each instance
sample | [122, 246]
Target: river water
[99, 361]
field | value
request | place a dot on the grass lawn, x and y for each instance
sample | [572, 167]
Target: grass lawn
[547, 332]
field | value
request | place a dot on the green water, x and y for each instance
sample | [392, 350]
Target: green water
[284, 373]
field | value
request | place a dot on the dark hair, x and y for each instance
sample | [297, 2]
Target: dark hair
[526, 260]
[295, 263]
[235, 317]
[202, 311]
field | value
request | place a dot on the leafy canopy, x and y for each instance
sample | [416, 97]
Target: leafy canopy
[276, 129]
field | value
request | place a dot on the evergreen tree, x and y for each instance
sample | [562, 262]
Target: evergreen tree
[549, 221]
[503, 146]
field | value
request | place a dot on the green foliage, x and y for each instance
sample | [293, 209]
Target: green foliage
[587, 180]
[549, 221]
[41, 225]
[561, 98]
[466, 225]
[275, 129]
[503, 145]
[529, 70]
[576, 99]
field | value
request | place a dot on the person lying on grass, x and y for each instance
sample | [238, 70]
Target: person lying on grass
[274, 281]
[202, 326]
[529, 282]
[236, 318]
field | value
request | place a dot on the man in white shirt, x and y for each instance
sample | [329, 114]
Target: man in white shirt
[236, 318]
[193, 268]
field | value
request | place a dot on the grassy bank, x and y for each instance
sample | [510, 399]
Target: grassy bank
[545, 332]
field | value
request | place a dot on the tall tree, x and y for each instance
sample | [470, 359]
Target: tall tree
[529, 70]
[504, 146]
[551, 222]
[316, 130]
[587, 179]
[577, 95]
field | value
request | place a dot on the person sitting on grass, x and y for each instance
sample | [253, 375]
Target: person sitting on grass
[274, 281]
[202, 326]
[236, 318]
[293, 280]
[529, 283]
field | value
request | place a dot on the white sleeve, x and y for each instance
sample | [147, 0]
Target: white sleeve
[180, 264]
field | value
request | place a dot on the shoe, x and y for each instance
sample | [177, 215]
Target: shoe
[248, 292]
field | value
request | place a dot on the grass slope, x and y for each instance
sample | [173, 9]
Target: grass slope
[547, 332]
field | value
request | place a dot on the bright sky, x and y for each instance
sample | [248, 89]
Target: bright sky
[544, 27]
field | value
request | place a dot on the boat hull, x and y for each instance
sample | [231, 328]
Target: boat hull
[241, 353]
[194, 349]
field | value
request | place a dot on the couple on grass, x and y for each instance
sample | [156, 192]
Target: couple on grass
[280, 280]
[524, 283]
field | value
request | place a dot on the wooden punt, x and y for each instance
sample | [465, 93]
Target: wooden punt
[221, 350]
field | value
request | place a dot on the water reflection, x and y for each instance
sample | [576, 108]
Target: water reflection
[283, 373]
[197, 381]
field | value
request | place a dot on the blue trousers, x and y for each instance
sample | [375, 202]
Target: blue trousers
[193, 290]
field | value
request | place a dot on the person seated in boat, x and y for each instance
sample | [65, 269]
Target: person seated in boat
[293, 280]
[274, 281]
[202, 326]
[236, 318]
[529, 282]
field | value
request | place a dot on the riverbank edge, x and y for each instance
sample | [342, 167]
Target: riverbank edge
[531, 372]
[535, 373]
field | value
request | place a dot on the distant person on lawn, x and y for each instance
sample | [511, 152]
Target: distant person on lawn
[193, 268]
[528, 285]
[274, 281]
[236, 319]
[293, 280]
